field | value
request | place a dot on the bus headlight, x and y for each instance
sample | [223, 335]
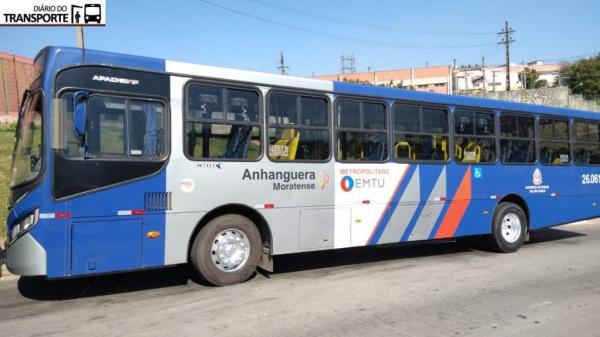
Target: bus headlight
[24, 225]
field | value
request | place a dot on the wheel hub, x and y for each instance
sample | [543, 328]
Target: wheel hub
[230, 250]
[511, 227]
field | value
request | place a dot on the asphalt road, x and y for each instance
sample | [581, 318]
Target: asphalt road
[551, 287]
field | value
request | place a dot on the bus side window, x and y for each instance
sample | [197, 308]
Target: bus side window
[222, 122]
[361, 131]
[298, 127]
[119, 127]
[586, 147]
[517, 139]
[555, 148]
[420, 133]
[474, 136]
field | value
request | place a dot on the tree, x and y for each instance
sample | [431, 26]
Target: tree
[531, 79]
[583, 77]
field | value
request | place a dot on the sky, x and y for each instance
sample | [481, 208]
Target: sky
[313, 35]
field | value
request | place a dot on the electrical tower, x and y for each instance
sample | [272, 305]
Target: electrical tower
[506, 40]
[282, 67]
[348, 64]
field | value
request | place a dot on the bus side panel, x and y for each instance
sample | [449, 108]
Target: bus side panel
[106, 245]
[110, 210]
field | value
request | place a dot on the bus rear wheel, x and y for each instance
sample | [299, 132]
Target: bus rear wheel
[509, 228]
[226, 250]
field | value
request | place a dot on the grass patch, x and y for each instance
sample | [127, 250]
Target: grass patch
[6, 147]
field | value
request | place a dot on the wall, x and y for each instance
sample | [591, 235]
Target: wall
[16, 73]
[558, 96]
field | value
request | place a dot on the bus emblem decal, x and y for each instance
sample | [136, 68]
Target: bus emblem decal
[537, 177]
[322, 179]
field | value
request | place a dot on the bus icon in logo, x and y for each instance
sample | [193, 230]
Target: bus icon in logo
[91, 14]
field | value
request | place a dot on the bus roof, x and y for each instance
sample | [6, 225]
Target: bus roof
[58, 58]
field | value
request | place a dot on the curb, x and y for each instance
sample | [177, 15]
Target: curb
[5, 275]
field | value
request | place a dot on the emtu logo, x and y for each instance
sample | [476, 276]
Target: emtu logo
[347, 183]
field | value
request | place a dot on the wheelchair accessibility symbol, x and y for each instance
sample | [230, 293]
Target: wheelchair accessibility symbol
[477, 172]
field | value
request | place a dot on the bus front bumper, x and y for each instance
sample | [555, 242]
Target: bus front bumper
[26, 257]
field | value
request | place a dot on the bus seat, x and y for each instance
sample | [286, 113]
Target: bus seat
[458, 152]
[238, 142]
[471, 153]
[403, 150]
[375, 151]
[286, 146]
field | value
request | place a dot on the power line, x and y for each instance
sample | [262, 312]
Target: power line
[572, 57]
[340, 37]
[363, 24]
[15, 41]
[32, 38]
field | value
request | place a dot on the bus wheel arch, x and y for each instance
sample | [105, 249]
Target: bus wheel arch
[517, 199]
[266, 260]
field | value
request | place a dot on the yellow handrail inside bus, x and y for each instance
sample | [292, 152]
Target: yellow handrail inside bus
[407, 150]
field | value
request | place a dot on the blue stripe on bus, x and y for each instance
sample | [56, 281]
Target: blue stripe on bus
[391, 207]
[429, 176]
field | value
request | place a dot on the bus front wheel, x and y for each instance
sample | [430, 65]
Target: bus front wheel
[509, 228]
[226, 250]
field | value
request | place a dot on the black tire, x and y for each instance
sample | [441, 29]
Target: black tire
[201, 252]
[498, 241]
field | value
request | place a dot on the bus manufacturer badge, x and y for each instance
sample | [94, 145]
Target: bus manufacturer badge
[119, 80]
[187, 185]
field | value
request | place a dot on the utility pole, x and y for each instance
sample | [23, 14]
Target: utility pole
[348, 64]
[506, 40]
[454, 81]
[80, 41]
[483, 71]
[282, 67]
[524, 78]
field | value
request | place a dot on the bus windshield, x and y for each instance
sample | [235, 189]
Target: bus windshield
[92, 10]
[27, 155]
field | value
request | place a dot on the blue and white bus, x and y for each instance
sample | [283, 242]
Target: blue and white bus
[125, 162]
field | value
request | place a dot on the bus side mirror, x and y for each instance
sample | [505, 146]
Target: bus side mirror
[79, 112]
